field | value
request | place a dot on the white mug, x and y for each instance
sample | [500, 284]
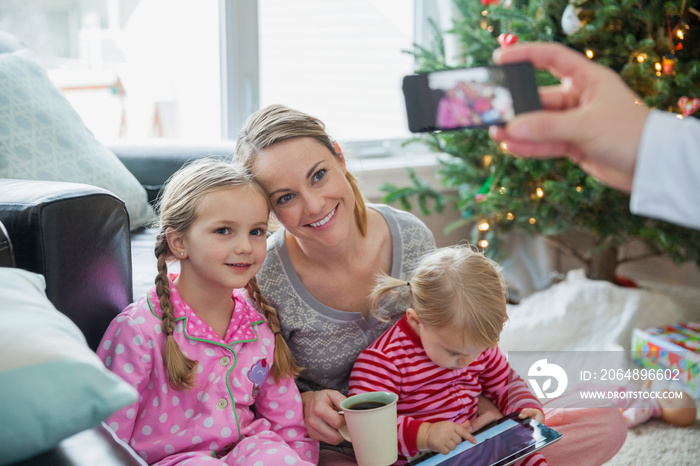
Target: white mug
[371, 427]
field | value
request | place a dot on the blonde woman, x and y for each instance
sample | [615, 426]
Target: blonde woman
[444, 353]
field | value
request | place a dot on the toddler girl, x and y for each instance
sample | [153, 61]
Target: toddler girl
[443, 353]
[215, 378]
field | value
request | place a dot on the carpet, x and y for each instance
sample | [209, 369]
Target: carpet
[655, 442]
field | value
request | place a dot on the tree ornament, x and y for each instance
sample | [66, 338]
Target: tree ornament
[507, 38]
[689, 106]
[479, 197]
[490, 2]
[668, 65]
[570, 22]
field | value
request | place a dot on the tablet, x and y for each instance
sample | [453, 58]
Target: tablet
[499, 444]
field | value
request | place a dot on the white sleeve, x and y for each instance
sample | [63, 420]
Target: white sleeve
[666, 182]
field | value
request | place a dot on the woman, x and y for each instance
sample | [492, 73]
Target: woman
[320, 269]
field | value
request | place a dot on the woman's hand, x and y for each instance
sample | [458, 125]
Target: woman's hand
[533, 413]
[486, 414]
[321, 415]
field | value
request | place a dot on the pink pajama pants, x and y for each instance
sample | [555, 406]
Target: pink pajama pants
[591, 435]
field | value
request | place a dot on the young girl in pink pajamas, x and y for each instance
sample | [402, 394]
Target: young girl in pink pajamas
[443, 353]
[214, 376]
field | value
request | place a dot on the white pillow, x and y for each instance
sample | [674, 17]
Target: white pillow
[51, 384]
[43, 138]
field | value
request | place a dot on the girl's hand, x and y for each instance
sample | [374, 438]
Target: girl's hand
[443, 437]
[533, 413]
[321, 415]
[486, 414]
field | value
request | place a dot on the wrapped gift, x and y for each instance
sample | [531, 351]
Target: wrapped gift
[671, 354]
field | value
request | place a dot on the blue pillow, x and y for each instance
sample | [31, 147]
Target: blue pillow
[52, 385]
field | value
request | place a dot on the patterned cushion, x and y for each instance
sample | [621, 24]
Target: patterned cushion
[43, 138]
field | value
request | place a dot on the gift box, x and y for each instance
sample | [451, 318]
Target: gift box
[673, 352]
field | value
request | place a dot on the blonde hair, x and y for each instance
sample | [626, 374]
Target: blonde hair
[177, 208]
[277, 123]
[457, 287]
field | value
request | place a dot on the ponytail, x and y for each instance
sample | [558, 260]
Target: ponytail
[384, 285]
[181, 369]
[284, 365]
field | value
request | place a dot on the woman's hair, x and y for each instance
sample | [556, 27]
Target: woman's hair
[177, 208]
[456, 287]
[277, 123]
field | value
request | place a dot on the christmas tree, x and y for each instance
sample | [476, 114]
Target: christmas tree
[653, 45]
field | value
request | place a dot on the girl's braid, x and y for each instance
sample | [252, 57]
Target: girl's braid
[181, 369]
[284, 365]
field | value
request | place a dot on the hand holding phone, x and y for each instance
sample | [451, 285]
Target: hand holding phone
[469, 97]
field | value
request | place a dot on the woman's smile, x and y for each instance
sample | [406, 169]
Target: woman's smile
[324, 220]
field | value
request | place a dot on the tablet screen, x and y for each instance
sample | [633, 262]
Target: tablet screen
[499, 445]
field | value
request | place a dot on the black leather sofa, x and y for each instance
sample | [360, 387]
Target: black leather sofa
[78, 237]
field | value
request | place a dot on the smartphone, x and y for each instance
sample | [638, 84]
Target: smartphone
[469, 97]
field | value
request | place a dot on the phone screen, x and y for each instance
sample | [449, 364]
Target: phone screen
[469, 97]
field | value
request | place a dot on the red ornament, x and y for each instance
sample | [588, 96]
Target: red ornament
[479, 197]
[507, 39]
[689, 106]
[490, 2]
[668, 65]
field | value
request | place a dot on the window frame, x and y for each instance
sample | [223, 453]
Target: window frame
[240, 77]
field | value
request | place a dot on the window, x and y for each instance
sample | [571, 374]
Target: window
[174, 68]
[341, 61]
[131, 68]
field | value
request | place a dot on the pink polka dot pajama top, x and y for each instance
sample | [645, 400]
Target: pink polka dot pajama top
[235, 414]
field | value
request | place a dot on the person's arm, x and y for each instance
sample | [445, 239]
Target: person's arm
[502, 385]
[667, 174]
[131, 362]
[592, 117]
[372, 372]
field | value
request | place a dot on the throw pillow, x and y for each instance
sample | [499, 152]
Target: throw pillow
[52, 385]
[43, 138]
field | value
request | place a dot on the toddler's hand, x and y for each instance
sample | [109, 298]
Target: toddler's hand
[533, 413]
[443, 437]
